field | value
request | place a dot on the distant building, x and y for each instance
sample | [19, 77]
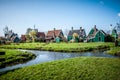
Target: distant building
[81, 34]
[54, 36]
[2, 40]
[23, 38]
[40, 36]
[30, 29]
[96, 35]
[10, 35]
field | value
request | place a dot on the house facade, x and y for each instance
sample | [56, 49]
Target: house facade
[23, 38]
[80, 32]
[54, 36]
[96, 35]
[10, 35]
[40, 36]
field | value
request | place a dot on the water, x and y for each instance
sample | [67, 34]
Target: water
[46, 56]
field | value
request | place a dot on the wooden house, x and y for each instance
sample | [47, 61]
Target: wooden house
[40, 36]
[23, 38]
[10, 35]
[54, 36]
[81, 34]
[96, 35]
[2, 40]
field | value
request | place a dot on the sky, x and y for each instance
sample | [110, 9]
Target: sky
[19, 15]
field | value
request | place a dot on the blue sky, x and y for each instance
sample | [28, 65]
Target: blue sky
[19, 15]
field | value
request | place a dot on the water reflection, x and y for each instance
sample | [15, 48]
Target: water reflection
[45, 56]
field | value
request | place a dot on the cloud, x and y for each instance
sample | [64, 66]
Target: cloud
[119, 14]
[101, 2]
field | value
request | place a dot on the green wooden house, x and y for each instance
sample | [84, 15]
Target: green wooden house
[81, 35]
[96, 35]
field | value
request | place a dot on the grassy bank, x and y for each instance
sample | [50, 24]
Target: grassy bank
[66, 47]
[76, 47]
[84, 68]
[33, 46]
[114, 51]
[12, 57]
[60, 47]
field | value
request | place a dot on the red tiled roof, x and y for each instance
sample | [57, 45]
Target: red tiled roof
[53, 33]
[40, 34]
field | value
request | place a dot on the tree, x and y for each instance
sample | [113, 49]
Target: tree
[27, 36]
[66, 32]
[75, 36]
[33, 35]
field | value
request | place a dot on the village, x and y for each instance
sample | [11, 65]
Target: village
[57, 35]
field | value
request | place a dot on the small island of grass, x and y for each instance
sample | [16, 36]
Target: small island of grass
[12, 57]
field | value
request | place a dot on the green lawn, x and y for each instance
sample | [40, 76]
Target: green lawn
[66, 47]
[23, 46]
[14, 57]
[84, 68]
[76, 47]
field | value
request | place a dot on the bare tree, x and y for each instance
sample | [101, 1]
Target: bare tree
[118, 27]
[66, 32]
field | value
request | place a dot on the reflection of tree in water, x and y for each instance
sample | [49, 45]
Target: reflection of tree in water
[57, 55]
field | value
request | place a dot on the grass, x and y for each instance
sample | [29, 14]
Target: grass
[62, 47]
[76, 47]
[114, 51]
[12, 57]
[82, 68]
[66, 47]
[23, 46]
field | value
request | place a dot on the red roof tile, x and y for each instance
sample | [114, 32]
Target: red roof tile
[53, 33]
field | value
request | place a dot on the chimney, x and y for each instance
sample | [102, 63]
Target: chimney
[54, 33]
[54, 29]
[94, 26]
[72, 28]
[34, 26]
[80, 28]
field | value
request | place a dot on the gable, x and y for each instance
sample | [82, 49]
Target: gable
[53, 33]
[91, 31]
[80, 33]
[100, 33]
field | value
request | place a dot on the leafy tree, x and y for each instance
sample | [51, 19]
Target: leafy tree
[75, 36]
[27, 37]
[33, 35]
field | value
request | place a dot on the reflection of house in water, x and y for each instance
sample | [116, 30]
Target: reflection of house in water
[10, 35]
[59, 55]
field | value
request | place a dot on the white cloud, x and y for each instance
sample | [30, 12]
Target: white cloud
[119, 14]
[101, 2]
